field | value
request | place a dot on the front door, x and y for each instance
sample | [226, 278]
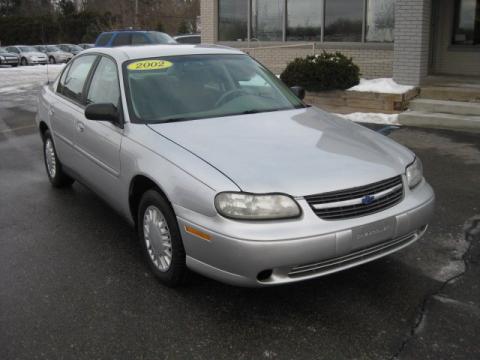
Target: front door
[99, 142]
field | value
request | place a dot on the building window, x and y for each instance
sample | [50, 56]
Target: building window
[308, 20]
[343, 20]
[232, 20]
[380, 20]
[267, 20]
[304, 20]
[467, 22]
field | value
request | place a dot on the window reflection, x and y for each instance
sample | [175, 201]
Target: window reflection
[304, 18]
[267, 20]
[232, 20]
[343, 20]
[380, 20]
[467, 22]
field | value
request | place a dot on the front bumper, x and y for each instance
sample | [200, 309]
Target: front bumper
[278, 252]
[9, 61]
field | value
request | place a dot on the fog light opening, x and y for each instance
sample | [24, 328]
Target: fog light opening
[264, 275]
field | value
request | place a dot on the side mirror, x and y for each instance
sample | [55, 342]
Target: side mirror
[299, 91]
[103, 112]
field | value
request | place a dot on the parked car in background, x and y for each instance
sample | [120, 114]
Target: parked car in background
[70, 48]
[86, 46]
[223, 168]
[8, 58]
[28, 55]
[132, 37]
[54, 53]
[188, 39]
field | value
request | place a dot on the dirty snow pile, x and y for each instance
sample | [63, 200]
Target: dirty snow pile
[373, 118]
[25, 78]
[381, 85]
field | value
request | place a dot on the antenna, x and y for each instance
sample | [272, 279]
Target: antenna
[48, 76]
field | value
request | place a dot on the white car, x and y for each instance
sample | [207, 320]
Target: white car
[28, 55]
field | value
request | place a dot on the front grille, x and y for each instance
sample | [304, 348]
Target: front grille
[350, 203]
[355, 257]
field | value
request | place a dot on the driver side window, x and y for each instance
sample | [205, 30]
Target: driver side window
[104, 87]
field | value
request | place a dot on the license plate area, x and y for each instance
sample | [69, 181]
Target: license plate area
[373, 233]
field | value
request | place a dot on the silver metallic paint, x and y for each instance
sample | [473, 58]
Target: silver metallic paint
[297, 152]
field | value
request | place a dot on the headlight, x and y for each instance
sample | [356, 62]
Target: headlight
[414, 173]
[244, 206]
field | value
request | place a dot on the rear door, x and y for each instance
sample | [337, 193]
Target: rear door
[68, 107]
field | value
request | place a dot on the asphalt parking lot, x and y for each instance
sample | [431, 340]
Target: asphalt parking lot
[73, 284]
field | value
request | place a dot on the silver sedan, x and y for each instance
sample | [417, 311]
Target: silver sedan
[224, 170]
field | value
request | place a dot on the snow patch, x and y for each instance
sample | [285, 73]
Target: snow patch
[381, 85]
[374, 118]
[24, 78]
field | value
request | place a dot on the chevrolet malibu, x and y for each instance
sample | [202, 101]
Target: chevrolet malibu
[224, 170]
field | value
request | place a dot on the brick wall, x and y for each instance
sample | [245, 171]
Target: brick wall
[412, 39]
[373, 63]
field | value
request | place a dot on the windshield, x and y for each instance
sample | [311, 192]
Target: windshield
[53, 48]
[27, 49]
[2, 50]
[201, 86]
[161, 38]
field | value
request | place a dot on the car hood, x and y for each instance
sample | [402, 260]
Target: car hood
[9, 54]
[297, 152]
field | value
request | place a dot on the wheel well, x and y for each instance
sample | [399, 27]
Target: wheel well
[139, 185]
[43, 128]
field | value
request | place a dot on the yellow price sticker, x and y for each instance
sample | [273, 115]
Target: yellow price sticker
[150, 65]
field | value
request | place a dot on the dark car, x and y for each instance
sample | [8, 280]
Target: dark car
[8, 58]
[188, 39]
[132, 37]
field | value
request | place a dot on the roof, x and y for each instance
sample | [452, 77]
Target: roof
[149, 51]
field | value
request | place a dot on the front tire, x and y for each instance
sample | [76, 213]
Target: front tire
[52, 60]
[55, 172]
[24, 62]
[160, 239]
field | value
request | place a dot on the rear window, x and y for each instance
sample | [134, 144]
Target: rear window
[104, 39]
[121, 39]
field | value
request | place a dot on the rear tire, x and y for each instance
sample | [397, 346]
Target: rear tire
[58, 178]
[160, 239]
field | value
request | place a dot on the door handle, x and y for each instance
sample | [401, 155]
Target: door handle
[51, 112]
[80, 126]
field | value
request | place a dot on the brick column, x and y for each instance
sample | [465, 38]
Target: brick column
[209, 16]
[412, 41]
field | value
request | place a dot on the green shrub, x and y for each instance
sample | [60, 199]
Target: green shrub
[327, 71]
